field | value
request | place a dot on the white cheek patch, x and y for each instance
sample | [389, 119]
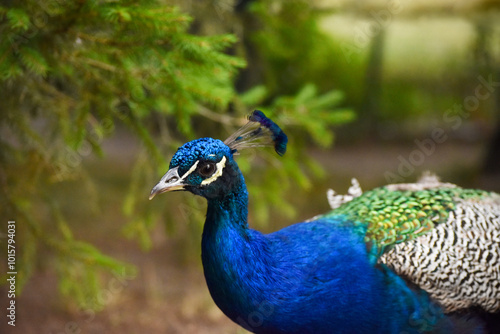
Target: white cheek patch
[220, 166]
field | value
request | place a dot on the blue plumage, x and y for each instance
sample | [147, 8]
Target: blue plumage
[278, 136]
[312, 277]
[259, 131]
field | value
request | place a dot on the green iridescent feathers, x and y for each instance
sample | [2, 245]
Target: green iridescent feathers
[393, 214]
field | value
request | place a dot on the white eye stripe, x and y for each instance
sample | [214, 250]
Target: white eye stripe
[192, 169]
[220, 166]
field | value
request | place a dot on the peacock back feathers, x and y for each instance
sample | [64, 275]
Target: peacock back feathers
[443, 238]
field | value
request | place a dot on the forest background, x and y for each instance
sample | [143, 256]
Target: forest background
[96, 96]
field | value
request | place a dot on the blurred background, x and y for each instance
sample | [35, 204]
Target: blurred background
[96, 96]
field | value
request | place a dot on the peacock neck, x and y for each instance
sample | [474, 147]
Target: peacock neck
[226, 232]
[229, 209]
[231, 252]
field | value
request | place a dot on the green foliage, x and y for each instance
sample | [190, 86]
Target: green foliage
[71, 73]
[314, 111]
[292, 47]
[307, 115]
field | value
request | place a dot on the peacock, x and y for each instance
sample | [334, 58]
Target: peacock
[421, 257]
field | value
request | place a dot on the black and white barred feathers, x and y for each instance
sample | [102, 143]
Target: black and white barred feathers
[440, 237]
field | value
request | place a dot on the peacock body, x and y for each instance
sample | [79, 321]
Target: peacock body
[443, 238]
[404, 258]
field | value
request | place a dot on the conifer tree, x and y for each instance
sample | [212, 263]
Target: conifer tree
[73, 71]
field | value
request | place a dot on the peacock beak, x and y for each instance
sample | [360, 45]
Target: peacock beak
[169, 182]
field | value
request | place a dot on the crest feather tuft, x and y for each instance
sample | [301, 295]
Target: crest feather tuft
[259, 131]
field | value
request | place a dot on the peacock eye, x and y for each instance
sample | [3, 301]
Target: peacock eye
[207, 169]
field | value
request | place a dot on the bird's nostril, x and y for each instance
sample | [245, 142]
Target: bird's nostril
[172, 179]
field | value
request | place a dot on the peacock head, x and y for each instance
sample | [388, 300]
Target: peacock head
[206, 166]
